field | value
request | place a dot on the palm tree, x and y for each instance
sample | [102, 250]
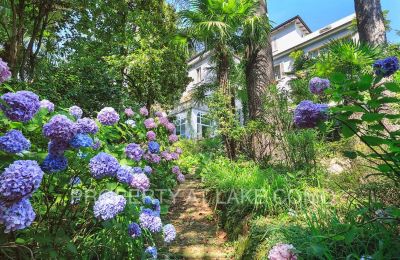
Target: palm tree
[218, 24]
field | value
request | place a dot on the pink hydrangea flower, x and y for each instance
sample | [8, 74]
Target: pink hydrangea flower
[282, 252]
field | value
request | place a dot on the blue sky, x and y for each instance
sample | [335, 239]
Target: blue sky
[319, 13]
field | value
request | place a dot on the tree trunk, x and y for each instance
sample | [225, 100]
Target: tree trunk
[370, 22]
[259, 75]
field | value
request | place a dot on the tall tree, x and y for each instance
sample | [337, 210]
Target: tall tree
[259, 71]
[370, 21]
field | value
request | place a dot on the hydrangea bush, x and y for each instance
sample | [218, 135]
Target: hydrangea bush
[75, 186]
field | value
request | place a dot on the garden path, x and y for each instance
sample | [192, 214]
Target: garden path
[198, 235]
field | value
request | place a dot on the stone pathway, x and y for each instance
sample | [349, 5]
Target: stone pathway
[198, 236]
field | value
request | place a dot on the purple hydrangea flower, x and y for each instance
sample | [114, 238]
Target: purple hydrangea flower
[21, 106]
[76, 112]
[59, 128]
[166, 155]
[150, 220]
[46, 104]
[149, 123]
[178, 150]
[81, 140]
[103, 165]
[143, 111]
[386, 67]
[156, 206]
[308, 114]
[153, 158]
[134, 230]
[108, 205]
[86, 126]
[154, 147]
[140, 182]
[134, 152]
[151, 136]
[163, 121]
[54, 163]
[180, 177]
[174, 156]
[152, 251]
[169, 233]
[175, 169]
[282, 252]
[108, 116]
[173, 138]
[147, 169]
[137, 170]
[318, 85]
[14, 142]
[96, 144]
[129, 112]
[5, 72]
[57, 147]
[170, 127]
[18, 216]
[125, 174]
[130, 122]
[19, 180]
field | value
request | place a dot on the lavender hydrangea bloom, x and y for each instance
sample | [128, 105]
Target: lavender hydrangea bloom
[20, 179]
[134, 230]
[108, 116]
[125, 174]
[153, 158]
[158, 114]
[152, 251]
[170, 127]
[130, 122]
[21, 106]
[163, 121]
[308, 114]
[134, 152]
[282, 252]
[154, 147]
[103, 165]
[5, 72]
[147, 169]
[129, 112]
[59, 128]
[81, 140]
[143, 111]
[166, 155]
[318, 85]
[18, 216]
[169, 233]
[137, 170]
[180, 177]
[174, 156]
[140, 182]
[46, 104]
[96, 144]
[75, 111]
[108, 205]
[149, 123]
[57, 147]
[386, 67]
[175, 169]
[86, 126]
[14, 142]
[151, 136]
[173, 138]
[54, 163]
[150, 220]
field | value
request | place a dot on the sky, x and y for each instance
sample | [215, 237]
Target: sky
[319, 13]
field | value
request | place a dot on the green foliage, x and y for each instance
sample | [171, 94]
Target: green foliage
[300, 149]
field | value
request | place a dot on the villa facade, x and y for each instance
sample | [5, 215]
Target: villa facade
[292, 35]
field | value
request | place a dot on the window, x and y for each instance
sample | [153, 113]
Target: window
[180, 125]
[277, 72]
[204, 128]
[198, 75]
[274, 45]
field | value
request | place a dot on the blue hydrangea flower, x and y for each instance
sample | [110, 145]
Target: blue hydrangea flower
[318, 85]
[19, 180]
[137, 170]
[152, 251]
[125, 174]
[14, 142]
[54, 163]
[86, 126]
[76, 112]
[150, 220]
[308, 114]
[156, 206]
[108, 205]
[169, 233]
[21, 106]
[147, 200]
[5, 72]
[18, 216]
[154, 147]
[81, 140]
[147, 169]
[386, 67]
[134, 230]
[108, 116]
[134, 152]
[57, 147]
[59, 128]
[140, 182]
[46, 104]
[96, 145]
[103, 165]
[130, 122]
[75, 181]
